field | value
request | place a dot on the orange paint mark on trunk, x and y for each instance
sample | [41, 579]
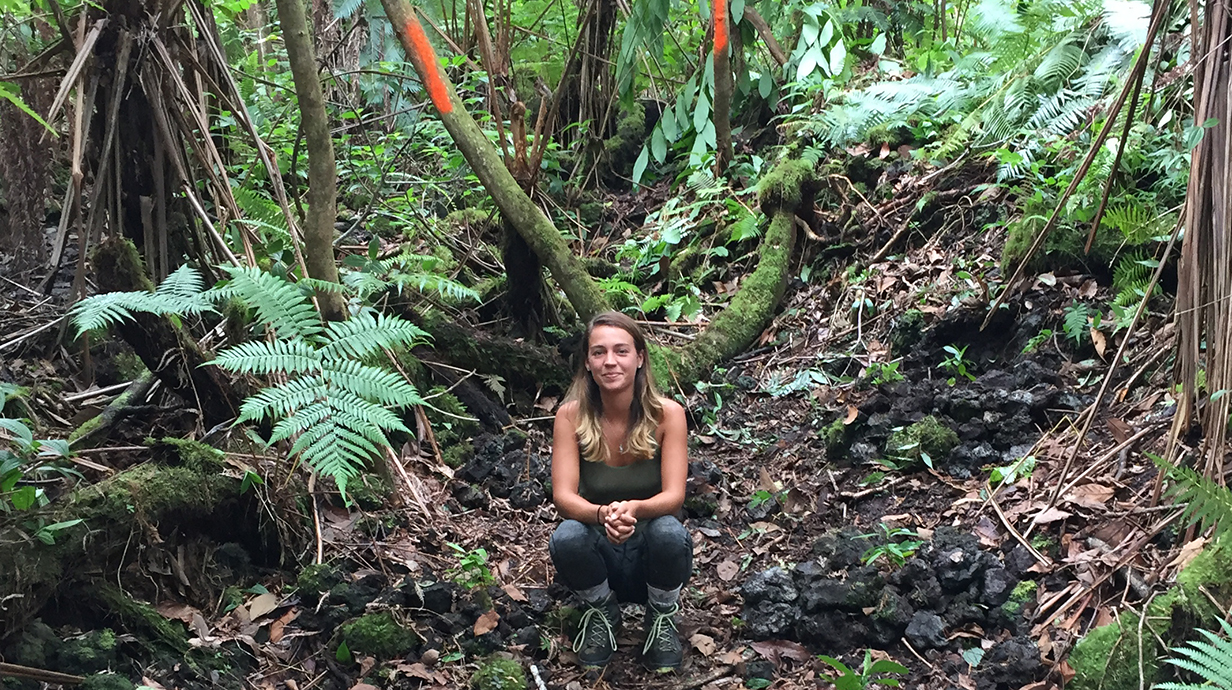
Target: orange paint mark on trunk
[720, 26]
[433, 80]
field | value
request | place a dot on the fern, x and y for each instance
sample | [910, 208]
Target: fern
[335, 406]
[1077, 316]
[1210, 660]
[181, 294]
[1132, 276]
[1207, 503]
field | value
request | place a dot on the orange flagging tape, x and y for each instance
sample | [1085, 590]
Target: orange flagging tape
[720, 26]
[435, 83]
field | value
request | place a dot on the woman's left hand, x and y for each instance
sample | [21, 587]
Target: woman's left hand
[620, 521]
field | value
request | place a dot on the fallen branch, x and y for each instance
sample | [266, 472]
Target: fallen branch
[53, 677]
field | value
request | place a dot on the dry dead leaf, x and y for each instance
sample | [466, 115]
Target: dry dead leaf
[1053, 514]
[415, 671]
[178, 612]
[1100, 340]
[1094, 496]
[703, 644]
[765, 482]
[487, 622]
[278, 626]
[364, 686]
[1121, 430]
[774, 650]
[152, 684]
[727, 570]
[853, 412]
[514, 593]
[261, 605]
[1188, 552]
[547, 403]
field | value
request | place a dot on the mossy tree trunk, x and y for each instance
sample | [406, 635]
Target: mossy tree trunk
[322, 171]
[785, 191]
[515, 205]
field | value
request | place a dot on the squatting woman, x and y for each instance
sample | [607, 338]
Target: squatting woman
[619, 467]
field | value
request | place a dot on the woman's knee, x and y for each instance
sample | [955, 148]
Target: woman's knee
[571, 537]
[667, 533]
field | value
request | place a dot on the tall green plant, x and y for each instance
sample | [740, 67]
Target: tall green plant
[333, 402]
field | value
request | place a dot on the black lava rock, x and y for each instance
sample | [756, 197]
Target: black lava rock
[926, 631]
[1009, 664]
[469, 497]
[998, 585]
[956, 559]
[839, 550]
[770, 620]
[773, 585]
[438, 597]
[527, 495]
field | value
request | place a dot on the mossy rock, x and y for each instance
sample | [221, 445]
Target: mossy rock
[837, 438]
[927, 436]
[477, 219]
[448, 428]
[1109, 656]
[456, 455]
[378, 635]
[317, 578]
[1023, 593]
[1063, 248]
[369, 492]
[499, 674]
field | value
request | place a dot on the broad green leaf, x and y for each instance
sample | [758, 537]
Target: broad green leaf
[708, 135]
[701, 114]
[737, 11]
[827, 33]
[669, 125]
[838, 58]
[809, 32]
[807, 64]
[879, 45]
[765, 85]
[24, 497]
[658, 145]
[639, 168]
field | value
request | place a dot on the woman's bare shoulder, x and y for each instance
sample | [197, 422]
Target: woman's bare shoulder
[672, 410]
[568, 410]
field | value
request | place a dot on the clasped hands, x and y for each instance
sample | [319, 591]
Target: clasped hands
[618, 520]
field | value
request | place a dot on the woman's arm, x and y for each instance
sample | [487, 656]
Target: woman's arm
[566, 469]
[675, 467]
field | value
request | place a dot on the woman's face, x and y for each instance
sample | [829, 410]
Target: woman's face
[612, 358]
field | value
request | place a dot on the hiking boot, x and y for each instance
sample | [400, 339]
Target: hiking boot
[663, 651]
[596, 637]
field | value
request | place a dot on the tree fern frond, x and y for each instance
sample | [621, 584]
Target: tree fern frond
[343, 400]
[283, 400]
[260, 357]
[1060, 63]
[301, 422]
[322, 287]
[279, 304]
[184, 283]
[364, 335]
[371, 383]
[102, 311]
[1207, 503]
[257, 206]
[1209, 661]
[449, 289]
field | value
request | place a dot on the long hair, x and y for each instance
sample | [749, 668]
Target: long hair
[645, 413]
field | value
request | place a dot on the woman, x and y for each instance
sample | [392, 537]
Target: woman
[619, 466]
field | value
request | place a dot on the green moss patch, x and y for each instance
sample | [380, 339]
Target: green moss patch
[784, 186]
[378, 635]
[499, 674]
[927, 436]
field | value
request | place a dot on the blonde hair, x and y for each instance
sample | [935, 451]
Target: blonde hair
[645, 413]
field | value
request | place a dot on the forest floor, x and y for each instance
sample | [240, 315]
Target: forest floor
[824, 445]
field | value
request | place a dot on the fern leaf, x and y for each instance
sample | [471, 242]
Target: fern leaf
[283, 400]
[345, 401]
[279, 304]
[260, 357]
[184, 283]
[1210, 661]
[364, 335]
[1207, 503]
[301, 422]
[371, 383]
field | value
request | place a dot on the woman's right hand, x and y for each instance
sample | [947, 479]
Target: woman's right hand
[618, 521]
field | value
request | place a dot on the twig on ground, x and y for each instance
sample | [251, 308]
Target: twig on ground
[718, 673]
[316, 519]
[1017, 536]
[911, 649]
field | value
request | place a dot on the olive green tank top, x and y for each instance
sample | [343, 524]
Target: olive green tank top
[601, 483]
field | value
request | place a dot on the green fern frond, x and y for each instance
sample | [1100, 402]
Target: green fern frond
[184, 283]
[322, 287]
[110, 308]
[1060, 63]
[1211, 661]
[1127, 21]
[371, 383]
[364, 335]
[261, 357]
[282, 401]
[258, 207]
[1207, 503]
[448, 289]
[279, 304]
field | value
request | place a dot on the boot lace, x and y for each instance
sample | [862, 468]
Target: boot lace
[662, 629]
[594, 625]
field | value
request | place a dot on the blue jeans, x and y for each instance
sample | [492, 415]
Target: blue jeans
[659, 554]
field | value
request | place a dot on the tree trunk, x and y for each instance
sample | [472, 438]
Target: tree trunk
[767, 36]
[722, 89]
[515, 206]
[322, 174]
[784, 191]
